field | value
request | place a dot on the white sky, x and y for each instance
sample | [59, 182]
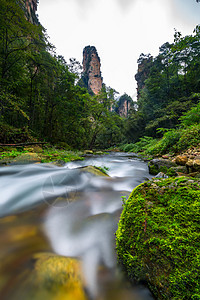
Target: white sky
[119, 29]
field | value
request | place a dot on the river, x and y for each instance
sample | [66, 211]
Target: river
[69, 211]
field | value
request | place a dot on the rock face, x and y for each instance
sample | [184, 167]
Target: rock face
[124, 108]
[144, 65]
[158, 237]
[91, 70]
[30, 8]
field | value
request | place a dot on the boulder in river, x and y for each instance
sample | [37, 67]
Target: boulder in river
[158, 237]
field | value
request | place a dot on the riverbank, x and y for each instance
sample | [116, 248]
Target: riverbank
[37, 154]
[178, 163]
[42, 154]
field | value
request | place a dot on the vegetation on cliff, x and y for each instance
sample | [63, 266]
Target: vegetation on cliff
[158, 237]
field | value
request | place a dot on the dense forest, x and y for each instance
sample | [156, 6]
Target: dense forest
[41, 96]
[168, 109]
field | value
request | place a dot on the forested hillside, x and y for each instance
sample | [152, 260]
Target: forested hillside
[168, 97]
[40, 97]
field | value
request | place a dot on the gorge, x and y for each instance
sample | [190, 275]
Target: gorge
[58, 216]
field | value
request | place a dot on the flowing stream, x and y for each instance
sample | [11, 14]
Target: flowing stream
[72, 212]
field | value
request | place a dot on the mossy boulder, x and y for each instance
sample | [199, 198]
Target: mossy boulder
[160, 165]
[94, 170]
[177, 171]
[26, 158]
[158, 237]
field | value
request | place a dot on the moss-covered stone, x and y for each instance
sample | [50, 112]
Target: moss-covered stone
[160, 165]
[26, 158]
[94, 170]
[174, 171]
[158, 237]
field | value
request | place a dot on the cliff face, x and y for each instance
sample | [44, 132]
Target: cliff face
[91, 70]
[30, 8]
[124, 108]
[124, 105]
[144, 65]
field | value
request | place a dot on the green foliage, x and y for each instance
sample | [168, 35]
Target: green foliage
[39, 90]
[168, 90]
[144, 143]
[191, 117]
[127, 147]
[53, 154]
[11, 154]
[171, 172]
[167, 143]
[46, 154]
[190, 136]
[158, 237]
[175, 140]
[12, 135]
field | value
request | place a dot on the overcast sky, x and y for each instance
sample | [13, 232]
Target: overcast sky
[119, 29]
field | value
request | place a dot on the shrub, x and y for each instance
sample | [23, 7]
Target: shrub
[191, 117]
[167, 143]
[128, 147]
[143, 144]
[190, 136]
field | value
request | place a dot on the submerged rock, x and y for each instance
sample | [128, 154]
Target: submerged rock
[158, 237]
[93, 170]
[53, 277]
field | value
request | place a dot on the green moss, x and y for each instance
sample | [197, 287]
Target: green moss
[53, 154]
[46, 155]
[153, 170]
[103, 169]
[158, 237]
[171, 172]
